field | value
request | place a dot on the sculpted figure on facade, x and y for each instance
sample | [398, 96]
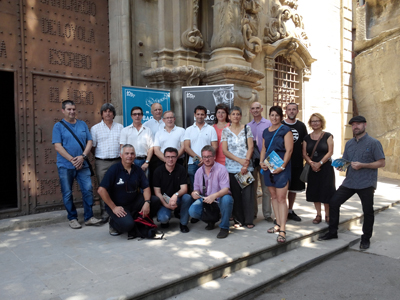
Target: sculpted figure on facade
[285, 22]
[192, 37]
[250, 20]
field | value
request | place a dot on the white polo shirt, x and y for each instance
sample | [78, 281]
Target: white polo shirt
[142, 140]
[165, 139]
[200, 138]
[106, 140]
[154, 125]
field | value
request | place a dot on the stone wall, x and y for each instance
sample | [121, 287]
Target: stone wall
[377, 77]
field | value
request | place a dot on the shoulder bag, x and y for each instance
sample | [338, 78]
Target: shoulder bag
[306, 169]
[255, 157]
[80, 144]
[210, 212]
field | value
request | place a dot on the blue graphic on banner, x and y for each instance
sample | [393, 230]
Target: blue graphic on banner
[144, 98]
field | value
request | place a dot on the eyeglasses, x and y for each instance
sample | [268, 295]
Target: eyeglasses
[169, 118]
[318, 121]
[170, 157]
[207, 157]
[136, 114]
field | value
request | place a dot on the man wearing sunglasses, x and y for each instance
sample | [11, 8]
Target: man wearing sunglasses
[140, 137]
[125, 189]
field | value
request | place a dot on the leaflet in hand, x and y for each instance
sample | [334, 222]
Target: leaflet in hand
[341, 163]
[273, 161]
[244, 180]
[166, 198]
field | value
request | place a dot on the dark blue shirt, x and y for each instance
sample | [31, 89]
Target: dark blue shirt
[66, 139]
[122, 186]
[365, 150]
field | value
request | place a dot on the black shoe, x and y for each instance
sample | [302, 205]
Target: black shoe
[210, 226]
[194, 221]
[293, 216]
[269, 219]
[184, 228]
[327, 236]
[223, 233]
[177, 214]
[166, 225]
[364, 245]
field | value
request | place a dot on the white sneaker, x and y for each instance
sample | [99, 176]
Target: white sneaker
[74, 224]
[92, 221]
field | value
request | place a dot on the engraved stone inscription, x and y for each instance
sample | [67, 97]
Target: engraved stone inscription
[70, 59]
[54, 94]
[3, 50]
[80, 6]
[68, 30]
[80, 97]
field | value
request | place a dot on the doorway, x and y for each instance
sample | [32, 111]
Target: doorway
[8, 151]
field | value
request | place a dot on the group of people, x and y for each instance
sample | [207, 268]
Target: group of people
[141, 168]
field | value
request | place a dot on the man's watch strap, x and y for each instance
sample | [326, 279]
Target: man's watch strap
[84, 156]
[147, 163]
[147, 201]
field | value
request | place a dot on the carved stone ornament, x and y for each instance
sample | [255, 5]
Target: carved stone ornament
[269, 62]
[187, 75]
[307, 72]
[250, 20]
[192, 37]
[285, 22]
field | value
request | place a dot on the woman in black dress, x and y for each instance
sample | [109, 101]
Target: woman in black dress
[321, 179]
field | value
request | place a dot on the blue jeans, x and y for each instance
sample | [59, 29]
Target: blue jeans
[82, 176]
[139, 163]
[225, 204]
[192, 168]
[184, 202]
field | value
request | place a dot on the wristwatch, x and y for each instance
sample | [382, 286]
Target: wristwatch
[282, 168]
[147, 201]
[146, 161]
[321, 162]
[177, 194]
[84, 156]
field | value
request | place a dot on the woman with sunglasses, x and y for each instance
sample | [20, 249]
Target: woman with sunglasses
[278, 138]
[321, 178]
[238, 150]
[221, 121]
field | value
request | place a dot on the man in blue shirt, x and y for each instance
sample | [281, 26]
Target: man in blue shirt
[72, 163]
[125, 189]
[366, 155]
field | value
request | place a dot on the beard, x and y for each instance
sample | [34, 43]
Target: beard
[360, 132]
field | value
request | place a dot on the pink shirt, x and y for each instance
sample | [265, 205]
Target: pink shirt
[214, 182]
[220, 157]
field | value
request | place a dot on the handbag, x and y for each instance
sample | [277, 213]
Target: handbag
[80, 144]
[210, 212]
[255, 157]
[306, 169]
[145, 229]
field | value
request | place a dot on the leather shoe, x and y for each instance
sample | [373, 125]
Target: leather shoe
[364, 245]
[194, 220]
[164, 225]
[184, 228]
[327, 236]
[223, 233]
[210, 226]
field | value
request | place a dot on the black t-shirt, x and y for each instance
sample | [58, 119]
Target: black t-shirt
[299, 131]
[123, 187]
[169, 183]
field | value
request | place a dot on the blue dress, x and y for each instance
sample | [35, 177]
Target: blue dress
[278, 145]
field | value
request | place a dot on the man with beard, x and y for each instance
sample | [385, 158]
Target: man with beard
[299, 131]
[366, 155]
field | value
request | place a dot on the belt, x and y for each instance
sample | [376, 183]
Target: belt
[140, 157]
[107, 159]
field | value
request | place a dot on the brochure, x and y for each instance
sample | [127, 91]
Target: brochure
[166, 198]
[244, 180]
[273, 161]
[341, 163]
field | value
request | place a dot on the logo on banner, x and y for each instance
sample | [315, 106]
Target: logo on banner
[130, 94]
[190, 96]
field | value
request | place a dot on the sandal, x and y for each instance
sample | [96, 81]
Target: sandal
[281, 239]
[317, 219]
[250, 226]
[273, 230]
[327, 219]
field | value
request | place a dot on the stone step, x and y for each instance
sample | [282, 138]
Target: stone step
[250, 281]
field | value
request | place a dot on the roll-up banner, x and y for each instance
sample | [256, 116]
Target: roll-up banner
[144, 98]
[208, 96]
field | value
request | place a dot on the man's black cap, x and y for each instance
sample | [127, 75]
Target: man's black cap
[359, 119]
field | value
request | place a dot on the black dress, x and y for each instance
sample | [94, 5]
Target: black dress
[320, 185]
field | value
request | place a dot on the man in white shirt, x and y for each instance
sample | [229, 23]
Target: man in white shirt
[197, 136]
[140, 137]
[106, 136]
[157, 123]
[170, 136]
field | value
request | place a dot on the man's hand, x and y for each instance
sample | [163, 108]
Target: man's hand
[145, 209]
[119, 211]
[173, 202]
[356, 165]
[145, 166]
[77, 162]
[209, 199]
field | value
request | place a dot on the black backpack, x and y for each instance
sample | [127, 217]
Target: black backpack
[145, 229]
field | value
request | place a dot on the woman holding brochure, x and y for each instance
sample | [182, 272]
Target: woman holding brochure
[276, 152]
[237, 146]
[317, 151]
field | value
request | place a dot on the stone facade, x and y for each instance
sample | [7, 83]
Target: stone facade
[377, 76]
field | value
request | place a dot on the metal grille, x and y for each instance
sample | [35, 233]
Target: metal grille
[286, 84]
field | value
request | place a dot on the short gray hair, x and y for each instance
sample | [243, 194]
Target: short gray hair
[127, 146]
[208, 148]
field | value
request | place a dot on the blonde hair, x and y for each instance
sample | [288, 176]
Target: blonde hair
[319, 116]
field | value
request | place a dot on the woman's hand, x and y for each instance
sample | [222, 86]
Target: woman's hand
[264, 166]
[243, 170]
[244, 162]
[277, 171]
[315, 166]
